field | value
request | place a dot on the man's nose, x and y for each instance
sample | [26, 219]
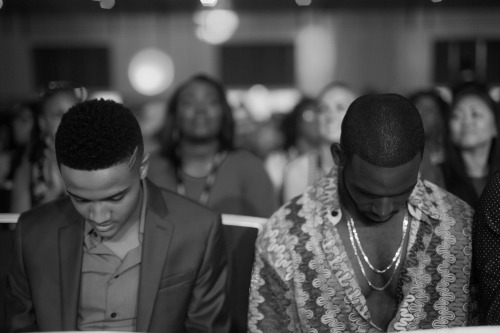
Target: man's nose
[383, 208]
[98, 212]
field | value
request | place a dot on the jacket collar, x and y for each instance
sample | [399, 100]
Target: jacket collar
[425, 201]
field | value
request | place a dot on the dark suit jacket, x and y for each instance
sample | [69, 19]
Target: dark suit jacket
[183, 270]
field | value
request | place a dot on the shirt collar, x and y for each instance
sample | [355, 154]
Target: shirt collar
[424, 201]
[93, 239]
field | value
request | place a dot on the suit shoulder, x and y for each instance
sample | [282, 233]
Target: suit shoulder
[180, 204]
[46, 213]
[46, 219]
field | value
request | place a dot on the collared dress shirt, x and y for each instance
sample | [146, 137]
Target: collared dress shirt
[109, 285]
[303, 280]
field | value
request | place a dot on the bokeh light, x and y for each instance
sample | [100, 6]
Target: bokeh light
[209, 3]
[151, 72]
[215, 26]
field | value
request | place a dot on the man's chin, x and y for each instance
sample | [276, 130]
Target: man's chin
[106, 234]
[378, 219]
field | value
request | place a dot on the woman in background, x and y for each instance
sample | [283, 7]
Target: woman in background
[37, 179]
[199, 160]
[301, 135]
[305, 170]
[472, 152]
[433, 110]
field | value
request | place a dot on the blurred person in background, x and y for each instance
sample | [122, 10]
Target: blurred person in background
[472, 152]
[305, 170]
[37, 179]
[433, 109]
[266, 138]
[300, 130]
[16, 143]
[199, 159]
[6, 155]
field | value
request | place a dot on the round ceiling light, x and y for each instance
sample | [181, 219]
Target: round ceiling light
[151, 72]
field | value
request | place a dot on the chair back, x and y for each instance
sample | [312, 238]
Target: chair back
[240, 233]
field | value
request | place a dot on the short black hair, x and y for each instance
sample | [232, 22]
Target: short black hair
[384, 130]
[98, 134]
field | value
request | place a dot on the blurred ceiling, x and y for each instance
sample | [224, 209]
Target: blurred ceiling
[33, 7]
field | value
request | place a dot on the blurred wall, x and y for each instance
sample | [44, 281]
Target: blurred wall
[376, 50]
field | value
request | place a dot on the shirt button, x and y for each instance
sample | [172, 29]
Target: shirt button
[113, 315]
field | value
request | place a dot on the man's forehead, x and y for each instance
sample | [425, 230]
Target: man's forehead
[360, 171]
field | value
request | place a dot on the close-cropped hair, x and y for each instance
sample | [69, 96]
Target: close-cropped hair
[98, 134]
[171, 136]
[384, 130]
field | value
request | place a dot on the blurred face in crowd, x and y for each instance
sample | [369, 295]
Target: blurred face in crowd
[53, 109]
[309, 124]
[199, 112]
[472, 123]
[334, 104]
[23, 125]
[430, 114]
[109, 199]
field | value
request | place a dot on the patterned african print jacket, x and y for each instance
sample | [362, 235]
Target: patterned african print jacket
[303, 281]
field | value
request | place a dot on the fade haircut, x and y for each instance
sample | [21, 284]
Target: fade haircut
[384, 130]
[98, 134]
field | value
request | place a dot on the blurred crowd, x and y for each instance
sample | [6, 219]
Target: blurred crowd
[199, 151]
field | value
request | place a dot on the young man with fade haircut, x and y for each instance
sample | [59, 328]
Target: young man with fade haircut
[371, 248]
[118, 253]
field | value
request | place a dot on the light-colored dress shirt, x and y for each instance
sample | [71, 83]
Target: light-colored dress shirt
[303, 280]
[109, 285]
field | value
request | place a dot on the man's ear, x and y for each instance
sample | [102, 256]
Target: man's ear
[143, 168]
[337, 154]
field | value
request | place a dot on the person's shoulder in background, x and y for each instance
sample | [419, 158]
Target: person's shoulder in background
[296, 177]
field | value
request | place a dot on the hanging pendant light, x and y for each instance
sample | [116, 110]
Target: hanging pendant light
[216, 22]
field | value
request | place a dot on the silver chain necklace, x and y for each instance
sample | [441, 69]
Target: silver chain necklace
[396, 255]
[354, 246]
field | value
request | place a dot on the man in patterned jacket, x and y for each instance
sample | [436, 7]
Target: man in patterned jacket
[370, 247]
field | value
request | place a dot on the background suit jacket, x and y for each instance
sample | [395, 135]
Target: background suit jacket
[183, 270]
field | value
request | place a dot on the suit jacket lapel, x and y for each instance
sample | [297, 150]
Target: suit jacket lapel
[157, 235]
[70, 263]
